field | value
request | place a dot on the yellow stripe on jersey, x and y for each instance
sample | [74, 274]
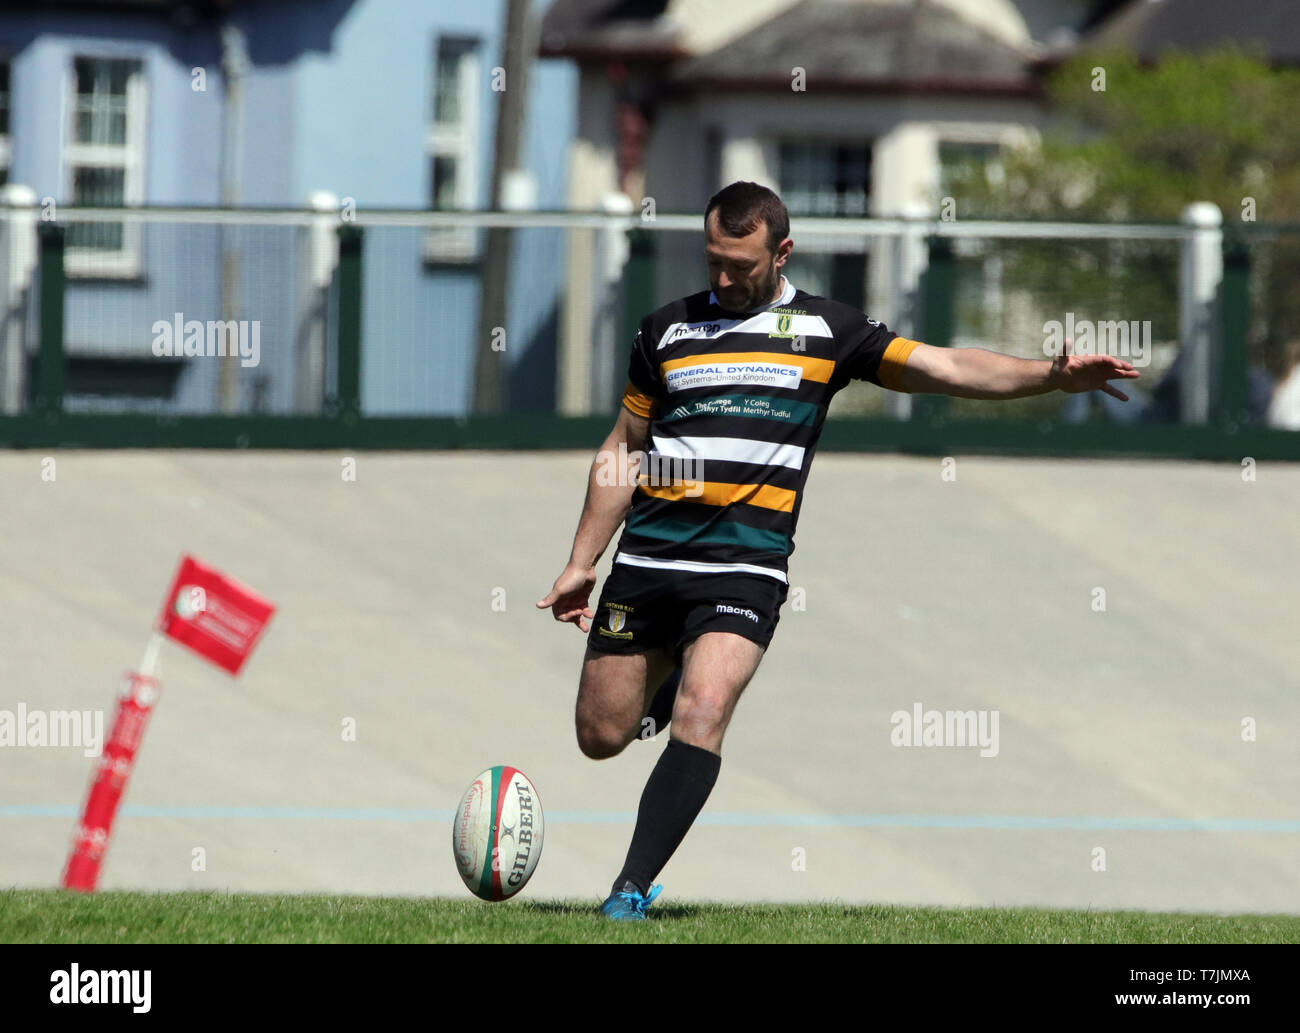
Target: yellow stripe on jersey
[637, 401]
[813, 369]
[892, 362]
[713, 493]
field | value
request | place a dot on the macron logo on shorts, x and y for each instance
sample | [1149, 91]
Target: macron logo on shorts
[724, 608]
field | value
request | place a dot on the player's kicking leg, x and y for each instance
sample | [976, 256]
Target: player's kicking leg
[613, 694]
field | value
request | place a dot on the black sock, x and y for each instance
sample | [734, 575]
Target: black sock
[674, 795]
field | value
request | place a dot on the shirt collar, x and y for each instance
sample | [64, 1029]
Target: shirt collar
[787, 296]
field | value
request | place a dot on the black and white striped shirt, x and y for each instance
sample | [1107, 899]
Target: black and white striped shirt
[737, 404]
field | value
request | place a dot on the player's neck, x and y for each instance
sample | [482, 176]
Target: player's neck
[780, 293]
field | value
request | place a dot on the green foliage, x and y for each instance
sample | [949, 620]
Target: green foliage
[1218, 127]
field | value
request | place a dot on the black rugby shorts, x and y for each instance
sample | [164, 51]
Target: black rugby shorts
[644, 608]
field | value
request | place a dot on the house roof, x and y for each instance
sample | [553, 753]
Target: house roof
[635, 29]
[1270, 26]
[851, 44]
[146, 6]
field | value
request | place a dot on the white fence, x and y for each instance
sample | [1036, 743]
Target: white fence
[583, 283]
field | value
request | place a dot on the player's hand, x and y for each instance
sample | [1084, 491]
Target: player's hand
[569, 595]
[1074, 373]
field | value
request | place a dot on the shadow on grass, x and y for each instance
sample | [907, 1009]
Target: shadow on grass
[552, 907]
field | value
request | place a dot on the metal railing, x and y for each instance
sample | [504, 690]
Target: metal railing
[329, 326]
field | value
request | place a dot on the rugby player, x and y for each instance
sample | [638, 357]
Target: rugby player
[727, 391]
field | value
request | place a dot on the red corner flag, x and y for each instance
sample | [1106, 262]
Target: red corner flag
[219, 619]
[213, 614]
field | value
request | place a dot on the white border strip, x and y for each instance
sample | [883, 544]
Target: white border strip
[754, 452]
[699, 567]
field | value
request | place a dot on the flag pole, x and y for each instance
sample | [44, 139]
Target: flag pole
[149, 664]
[134, 706]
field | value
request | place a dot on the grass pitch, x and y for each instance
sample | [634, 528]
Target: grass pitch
[60, 916]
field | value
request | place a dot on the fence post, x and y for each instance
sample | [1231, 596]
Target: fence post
[1201, 272]
[640, 297]
[47, 385]
[318, 260]
[348, 399]
[938, 286]
[609, 299]
[911, 255]
[1234, 315]
[640, 281]
[18, 253]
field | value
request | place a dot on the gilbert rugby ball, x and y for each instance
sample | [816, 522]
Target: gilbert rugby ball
[497, 833]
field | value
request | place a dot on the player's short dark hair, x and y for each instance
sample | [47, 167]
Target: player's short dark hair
[742, 205]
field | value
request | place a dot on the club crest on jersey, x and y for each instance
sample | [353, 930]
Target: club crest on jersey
[783, 322]
[616, 620]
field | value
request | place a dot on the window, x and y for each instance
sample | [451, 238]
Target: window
[826, 178]
[6, 150]
[960, 163]
[965, 166]
[452, 145]
[104, 162]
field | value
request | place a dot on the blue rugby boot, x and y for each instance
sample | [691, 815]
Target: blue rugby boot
[628, 905]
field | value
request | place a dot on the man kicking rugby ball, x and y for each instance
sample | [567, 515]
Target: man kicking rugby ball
[729, 386]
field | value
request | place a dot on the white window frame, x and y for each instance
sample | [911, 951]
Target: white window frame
[99, 263]
[460, 142]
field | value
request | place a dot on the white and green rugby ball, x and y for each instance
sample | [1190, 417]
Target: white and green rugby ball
[497, 833]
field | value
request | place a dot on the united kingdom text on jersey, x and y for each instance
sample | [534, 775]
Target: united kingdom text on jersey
[736, 406]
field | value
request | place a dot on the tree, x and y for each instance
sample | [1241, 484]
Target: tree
[1135, 142]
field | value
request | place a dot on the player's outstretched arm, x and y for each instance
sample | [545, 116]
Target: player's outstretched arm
[976, 373]
[610, 485]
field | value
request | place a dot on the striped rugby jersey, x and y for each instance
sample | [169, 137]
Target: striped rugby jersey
[737, 404]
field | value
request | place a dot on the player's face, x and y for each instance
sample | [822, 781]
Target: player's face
[743, 272]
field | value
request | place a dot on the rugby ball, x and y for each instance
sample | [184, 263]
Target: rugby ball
[497, 834]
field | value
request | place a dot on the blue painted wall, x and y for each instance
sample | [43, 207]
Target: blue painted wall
[338, 97]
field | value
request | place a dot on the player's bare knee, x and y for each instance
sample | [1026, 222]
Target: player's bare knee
[599, 741]
[701, 708]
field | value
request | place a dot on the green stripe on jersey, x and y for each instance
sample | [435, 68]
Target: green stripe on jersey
[729, 533]
[746, 405]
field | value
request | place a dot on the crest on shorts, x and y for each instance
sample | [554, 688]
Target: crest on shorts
[617, 618]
